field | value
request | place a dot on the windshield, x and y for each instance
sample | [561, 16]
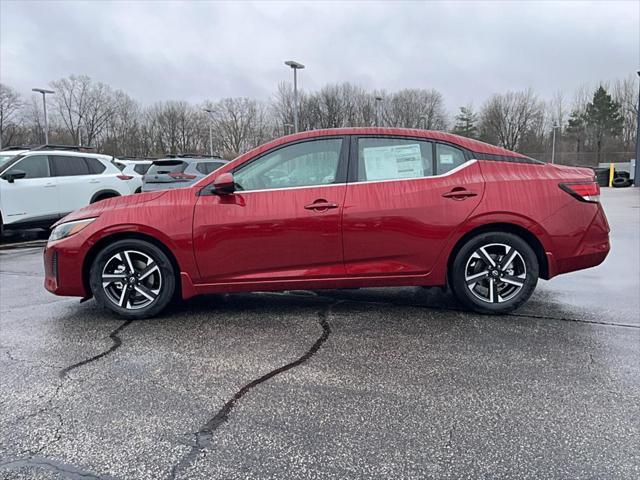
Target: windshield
[5, 157]
[167, 166]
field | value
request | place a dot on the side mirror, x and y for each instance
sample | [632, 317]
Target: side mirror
[13, 175]
[224, 184]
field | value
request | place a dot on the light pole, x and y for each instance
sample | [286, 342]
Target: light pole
[44, 105]
[636, 175]
[553, 144]
[378, 103]
[210, 112]
[287, 128]
[424, 121]
[295, 66]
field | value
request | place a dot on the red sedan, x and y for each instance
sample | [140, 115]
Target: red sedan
[342, 208]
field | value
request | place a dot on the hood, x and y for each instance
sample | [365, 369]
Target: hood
[95, 209]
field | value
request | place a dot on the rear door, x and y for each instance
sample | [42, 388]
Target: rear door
[406, 199]
[33, 197]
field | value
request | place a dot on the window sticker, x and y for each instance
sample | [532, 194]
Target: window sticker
[399, 161]
[446, 159]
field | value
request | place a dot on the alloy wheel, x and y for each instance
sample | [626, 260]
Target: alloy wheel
[131, 279]
[495, 273]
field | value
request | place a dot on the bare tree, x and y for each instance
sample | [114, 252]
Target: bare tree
[505, 118]
[239, 124]
[84, 107]
[10, 105]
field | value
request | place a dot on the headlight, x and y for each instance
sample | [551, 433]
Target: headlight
[67, 229]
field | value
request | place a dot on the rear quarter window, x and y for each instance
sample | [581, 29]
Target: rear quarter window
[141, 169]
[95, 166]
[448, 158]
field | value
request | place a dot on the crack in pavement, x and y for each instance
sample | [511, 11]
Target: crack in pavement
[204, 436]
[68, 471]
[117, 342]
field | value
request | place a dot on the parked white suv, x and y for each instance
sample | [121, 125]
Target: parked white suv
[133, 169]
[41, 185]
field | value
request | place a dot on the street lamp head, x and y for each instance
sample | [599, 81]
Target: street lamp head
[42, 90]
[295, 65]
[379, 99]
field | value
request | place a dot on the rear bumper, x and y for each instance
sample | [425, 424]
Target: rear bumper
[591, 248]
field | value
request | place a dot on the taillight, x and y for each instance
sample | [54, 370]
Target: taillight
[182, 176]
[124, 177]
[583, 191]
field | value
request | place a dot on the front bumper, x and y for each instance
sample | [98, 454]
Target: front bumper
[63, 264]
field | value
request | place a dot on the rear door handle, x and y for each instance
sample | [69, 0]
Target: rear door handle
[321, 205]
[49, 185]
[459, 193]
[94, 181]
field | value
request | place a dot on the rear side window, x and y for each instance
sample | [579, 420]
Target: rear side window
[63, 166]
[393, 159]
[141, 168]
[167, 166]
[35, 166]
[95, 166]
[448, 158]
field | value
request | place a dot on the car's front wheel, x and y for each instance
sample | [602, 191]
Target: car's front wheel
[132, 278]
[494, 272]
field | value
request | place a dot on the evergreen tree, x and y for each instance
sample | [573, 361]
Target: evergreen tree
[602, 118]
[576, 128]
[466, 123]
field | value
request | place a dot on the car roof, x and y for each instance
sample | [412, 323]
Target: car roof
[475, 146]
[191, 159]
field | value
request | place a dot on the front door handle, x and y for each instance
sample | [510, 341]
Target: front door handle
[459, 193]
[321, 205]
[49, 185]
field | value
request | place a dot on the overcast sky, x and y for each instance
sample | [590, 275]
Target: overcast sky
[161, 50]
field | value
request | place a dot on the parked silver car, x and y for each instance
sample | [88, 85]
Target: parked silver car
[178, 172]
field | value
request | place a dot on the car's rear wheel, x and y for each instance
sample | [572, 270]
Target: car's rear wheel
[494, 272]
[132, 278]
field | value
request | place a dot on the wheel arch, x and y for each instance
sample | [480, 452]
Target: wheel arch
[532, 240]
[103, 194]
[104, 241]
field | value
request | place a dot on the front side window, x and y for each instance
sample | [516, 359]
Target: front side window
[299, 165]
[68, 166]
[448, 158]
[393, 159]
[35, 166]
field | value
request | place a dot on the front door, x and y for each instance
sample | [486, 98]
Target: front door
[283, 221]
[407, 199]
[34, 197]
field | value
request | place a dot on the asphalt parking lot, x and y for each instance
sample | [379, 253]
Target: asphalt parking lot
[371, 383]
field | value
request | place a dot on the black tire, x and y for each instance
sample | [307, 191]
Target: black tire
[484, 295]
[620, 182]
[160, 284]
[623, 174]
